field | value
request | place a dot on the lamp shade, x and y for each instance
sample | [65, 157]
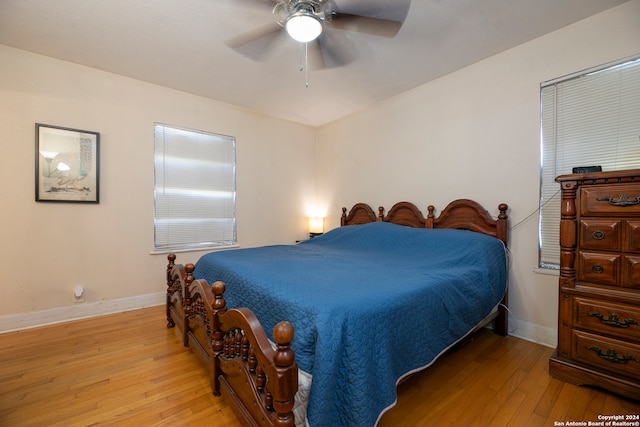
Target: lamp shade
[303, 26]
[316, 225]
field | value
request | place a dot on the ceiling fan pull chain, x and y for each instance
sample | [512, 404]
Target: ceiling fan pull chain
[301, 53]
[306, 65]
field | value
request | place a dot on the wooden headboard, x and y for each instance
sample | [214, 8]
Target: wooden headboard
[462, 214]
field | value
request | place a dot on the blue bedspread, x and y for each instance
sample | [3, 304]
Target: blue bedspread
[368, 303]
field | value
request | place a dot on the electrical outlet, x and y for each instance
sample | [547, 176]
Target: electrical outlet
[78, 294]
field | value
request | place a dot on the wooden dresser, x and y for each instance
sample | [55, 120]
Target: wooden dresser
[599, 301]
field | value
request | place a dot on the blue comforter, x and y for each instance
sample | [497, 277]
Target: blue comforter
[369, 303]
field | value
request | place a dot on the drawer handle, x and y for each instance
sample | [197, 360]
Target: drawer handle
[612, 356]
[598, 235]
[597, 268]
[622, 200]
[613, 320]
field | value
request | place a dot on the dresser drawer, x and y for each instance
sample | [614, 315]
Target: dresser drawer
[632, 233]
[610, 200]
[631, 271]
[607, 353]
[621, 320]
[598, 267]
[600, 234]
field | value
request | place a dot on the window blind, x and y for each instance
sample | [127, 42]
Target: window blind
[194, 189]
[590, 118]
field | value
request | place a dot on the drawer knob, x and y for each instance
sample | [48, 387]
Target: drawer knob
[622, 200]
[613, 320]
[612, 356]
[598, 235]
[597, 268]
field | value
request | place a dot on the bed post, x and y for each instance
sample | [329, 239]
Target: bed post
[430, 215]
[171, 258]
[283, 360]
[218, 307]
[502, 224]
[380, 216]
[186, 298]
[502, 231]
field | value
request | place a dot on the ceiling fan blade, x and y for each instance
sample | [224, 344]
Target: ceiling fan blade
[253, 4]
[256, 43]
[253, 35]
[364, 24]
[336, 49]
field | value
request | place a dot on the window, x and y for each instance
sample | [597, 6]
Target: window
[195, 189]
[590, 118]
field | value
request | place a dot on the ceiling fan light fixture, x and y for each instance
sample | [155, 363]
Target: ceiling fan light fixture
[303, 25]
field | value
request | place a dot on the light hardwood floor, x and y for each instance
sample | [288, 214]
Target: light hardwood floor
[128, 369]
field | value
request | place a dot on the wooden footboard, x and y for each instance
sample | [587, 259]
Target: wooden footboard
[259, 379]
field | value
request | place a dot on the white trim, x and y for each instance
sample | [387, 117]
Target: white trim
[590, 70]
[538, 334]
[16, 322]
[547, 271]
[204, 248]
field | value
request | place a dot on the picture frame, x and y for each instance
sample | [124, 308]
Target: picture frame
[67, 165]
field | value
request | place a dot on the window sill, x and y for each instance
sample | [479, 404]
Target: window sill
[207, 249]
[547, 271]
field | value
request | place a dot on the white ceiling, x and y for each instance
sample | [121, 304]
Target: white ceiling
[180, 44]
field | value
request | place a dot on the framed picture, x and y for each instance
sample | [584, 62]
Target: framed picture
[67, 164]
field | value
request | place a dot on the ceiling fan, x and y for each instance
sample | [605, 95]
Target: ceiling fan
[311, 22]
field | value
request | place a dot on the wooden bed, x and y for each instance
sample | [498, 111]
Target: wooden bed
[258, 377]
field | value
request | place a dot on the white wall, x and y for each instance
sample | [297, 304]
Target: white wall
[473, 134]
[49, 248]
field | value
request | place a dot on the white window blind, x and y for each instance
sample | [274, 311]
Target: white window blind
[195, 189]
[590, 118]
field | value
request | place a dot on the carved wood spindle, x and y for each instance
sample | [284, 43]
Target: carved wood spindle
[228, 343]
[253, 361]
[186, 298]
[568, 244]
[268, 400]
[172, 259]
[283, 335]
[218, 307]
[196, 303]
[430, 216]
[244, 348]
[568, 232]
[502, 226]
[343, 218]
[380, 216]
[219, 303]
[284, 374]
[261, 378]
[237, 348]
[172, 262]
